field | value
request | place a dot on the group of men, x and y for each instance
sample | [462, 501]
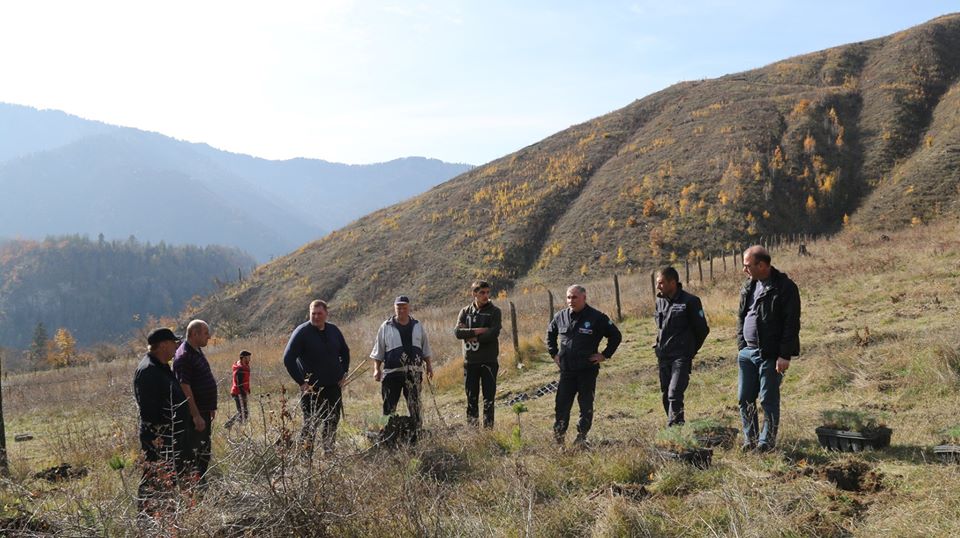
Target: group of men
[178, 405]
[768, 337]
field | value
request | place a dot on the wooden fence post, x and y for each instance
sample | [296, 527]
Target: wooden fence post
[723, 256]
[711, 268]
[551, 313]
[700, 269]
[239, 275]
[686, 273]
[4, 468]
[616, 290]
[516, 336]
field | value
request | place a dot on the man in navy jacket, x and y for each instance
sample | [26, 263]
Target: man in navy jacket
[317, 358]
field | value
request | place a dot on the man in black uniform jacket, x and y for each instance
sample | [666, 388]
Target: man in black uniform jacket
[580, 328]
[164, 417]
[681, 331]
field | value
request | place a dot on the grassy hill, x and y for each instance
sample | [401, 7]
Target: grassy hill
[878, 333]
[864, 133]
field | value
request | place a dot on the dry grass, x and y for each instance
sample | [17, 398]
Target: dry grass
[458, 481]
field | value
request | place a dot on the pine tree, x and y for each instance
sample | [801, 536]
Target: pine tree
[38, 346]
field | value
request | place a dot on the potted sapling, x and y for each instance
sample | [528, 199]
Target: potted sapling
[679, 443]
[851, 430]
[949, 449]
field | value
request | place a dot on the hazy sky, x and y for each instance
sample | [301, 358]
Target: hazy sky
[367, 81]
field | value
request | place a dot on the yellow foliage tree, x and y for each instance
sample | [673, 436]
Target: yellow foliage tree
[811, 205]
[64, 349]
[621, 256]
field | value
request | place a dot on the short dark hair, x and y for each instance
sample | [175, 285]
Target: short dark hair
[480, 285]
[319, 302]
[245, 353]
[669, 273]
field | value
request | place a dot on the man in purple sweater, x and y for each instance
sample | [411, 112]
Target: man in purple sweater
[192, 370]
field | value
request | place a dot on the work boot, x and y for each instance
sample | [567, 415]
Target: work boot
[581, 442]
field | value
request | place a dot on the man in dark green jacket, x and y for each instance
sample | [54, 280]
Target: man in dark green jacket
[681, 331]
[768, 336]
[478, 325]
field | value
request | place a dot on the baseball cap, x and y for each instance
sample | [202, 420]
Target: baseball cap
[161, 335]
[402, 299]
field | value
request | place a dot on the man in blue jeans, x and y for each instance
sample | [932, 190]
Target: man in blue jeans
[768, 336]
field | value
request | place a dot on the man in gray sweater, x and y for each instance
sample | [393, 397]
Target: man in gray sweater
[478, 326]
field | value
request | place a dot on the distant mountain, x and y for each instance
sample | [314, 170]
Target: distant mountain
[100, 289]
[332, 193]
[62, 174]
[865, 134]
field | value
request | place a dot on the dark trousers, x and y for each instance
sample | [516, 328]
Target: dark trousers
[322, 408]
[198, 447]
[477, 377]
[758, 377]
[242, 412]
[583, 385]
[674, 378]
[407, 384]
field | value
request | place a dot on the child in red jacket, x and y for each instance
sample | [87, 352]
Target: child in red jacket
[241, 388]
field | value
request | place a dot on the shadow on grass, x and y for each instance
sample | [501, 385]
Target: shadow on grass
[812, 452]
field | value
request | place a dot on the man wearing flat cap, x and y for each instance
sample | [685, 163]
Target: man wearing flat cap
[164, 417]
[401, 353]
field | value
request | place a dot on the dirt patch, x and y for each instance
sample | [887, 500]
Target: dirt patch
[849, 474]
[854, 475]
[61, 472]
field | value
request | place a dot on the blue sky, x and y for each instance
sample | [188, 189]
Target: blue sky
[365, 81]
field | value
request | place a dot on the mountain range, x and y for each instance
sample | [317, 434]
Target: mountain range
[864, 134]
[61, 174]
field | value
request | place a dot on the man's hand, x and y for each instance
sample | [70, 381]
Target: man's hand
[213, 414]
[597, 358]
[782, 365]
[377, 375]
[305, 387]
[198, 423]
[556, 359]
[429, 370]
[342, 382]
[480, 330]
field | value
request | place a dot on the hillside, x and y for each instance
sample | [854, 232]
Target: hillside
[871, 339]
[50, 160]
[101, 290]
[797, 146]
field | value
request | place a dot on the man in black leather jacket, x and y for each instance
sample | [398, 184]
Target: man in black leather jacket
[768, 336]
[580, 328]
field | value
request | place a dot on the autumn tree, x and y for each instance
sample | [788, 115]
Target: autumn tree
[64, 349]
